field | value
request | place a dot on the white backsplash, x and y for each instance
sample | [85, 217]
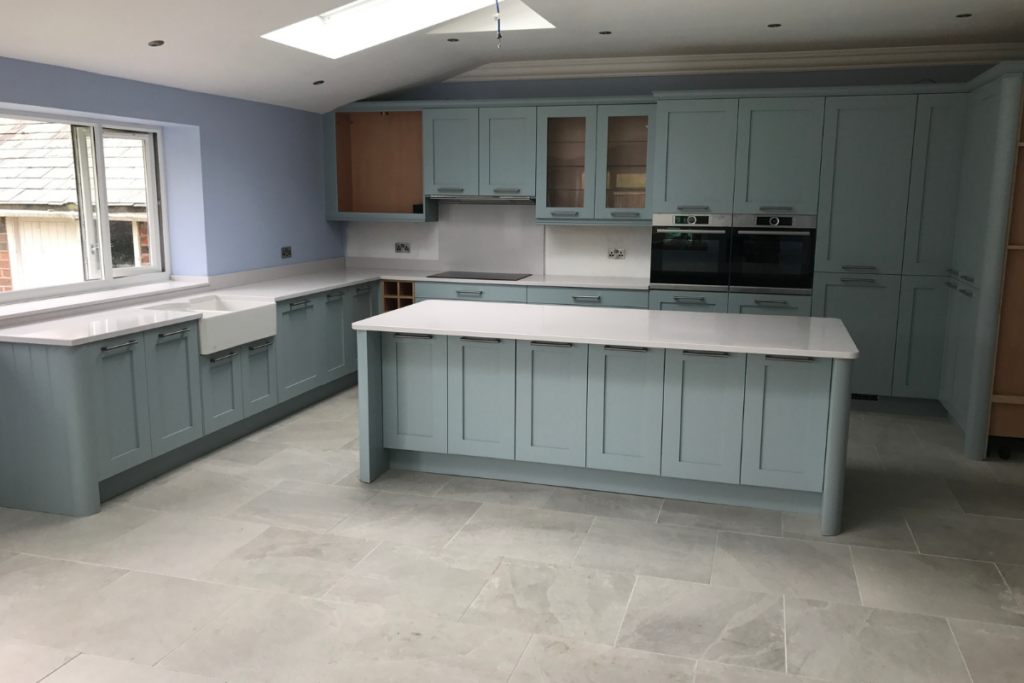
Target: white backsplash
[583, 250]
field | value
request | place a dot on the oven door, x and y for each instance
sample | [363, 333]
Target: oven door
[772, 258]
[684, 256]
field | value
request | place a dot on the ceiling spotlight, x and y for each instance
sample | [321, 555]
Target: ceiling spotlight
[318, 82]
[604, 33]
[774, 25]
[453, 40]
[156, 43]
[963, 16]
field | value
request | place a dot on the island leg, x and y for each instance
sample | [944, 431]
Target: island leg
[835, 449]
[373, 460]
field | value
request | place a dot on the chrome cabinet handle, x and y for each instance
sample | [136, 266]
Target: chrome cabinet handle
[507, 190]
[864, 280]
[632, 349]
[332, 297]
[952, 271]
[793, 359]
[450, 189]
[295, 304]
[133, 342]
[694, 207]
[586, 297]
[860, 268]
[969, 278]
[363, 290]
[553, 345]
[771, 303]
[696, 300]
[626, 214]
[409, 335]
[565, 213]
[481, 340]
[693, 232]
[709, 354]
[950, 285]
[469, 292]
[783, 233]
[262, 346]
[776, 208]
[966, 292]
[225, 357]
[171, 334]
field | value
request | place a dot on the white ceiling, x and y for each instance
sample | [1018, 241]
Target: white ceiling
[214, 46]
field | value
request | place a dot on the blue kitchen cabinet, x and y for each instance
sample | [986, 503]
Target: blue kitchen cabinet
[566, 162]
[508, 151]
[172, 379]
[865, 183]
[365, 301]
[934, 184]
[958, 354]
[695, 156]
[551, 402]
[299, 334]
[414, 391]
[694, 301]
[220, 377]
[450, 152]
[121, 411]
[920, 337]
[575, 296]
[338, 353]
[482, 397]
[470, 291]
[703, 413]
[869, 307]
[770, 304]
[259, 376]
[778, 155]
[624, 408]
[625, 162]
[785, 422]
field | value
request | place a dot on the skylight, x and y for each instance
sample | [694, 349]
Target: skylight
[363, 24]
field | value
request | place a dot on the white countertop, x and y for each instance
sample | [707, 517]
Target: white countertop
[82, 329]
[729, 332]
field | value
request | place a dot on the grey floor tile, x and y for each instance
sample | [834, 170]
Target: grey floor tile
[556, 660]
[887, 489]
[863, 525]
[175, 544]
[238, 457]
[303, 505]
[1008, 471]
[92, 669]
[523, 533]
[320, 466]
[406, 580]
[671, 552]
[199, 492]
[290, 561]
[342, 410]
[431, 651]
[713, 672]
[25, 662]
[804, 569]
[721, 517]
[970, 537]
[10, 519]
[939, 586]
[991, 499]
[994, 653]
[401, 481]
[851, 644]
[725, 625]
[863, 457]
[567, 602]
[1014, 576]
[604, 504]
[274, 638]
[311, 435]
[70, 538]
[408, 520]
[496, 491]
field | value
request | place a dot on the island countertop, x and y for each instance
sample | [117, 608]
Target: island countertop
[716, 332]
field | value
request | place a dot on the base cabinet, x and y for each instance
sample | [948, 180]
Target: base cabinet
[121, 407]
[299, 332]
[958, 356]
[338, 353]
[482, 397]
[551, 403]
[259, 376]
[920, 337]
[695, 302]
[770, 304]
[220, 376]
[172, 374]
[414, 388]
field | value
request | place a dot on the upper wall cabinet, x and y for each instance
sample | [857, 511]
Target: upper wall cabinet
[695, 163]
[450, 145]
[934, 184]
[625, 153]
[865, 183]
[566, 162]
[778, 155]
[508, 151]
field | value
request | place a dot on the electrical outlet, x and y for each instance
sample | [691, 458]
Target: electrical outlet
[286, 252]
[617, 253]
[402, 248]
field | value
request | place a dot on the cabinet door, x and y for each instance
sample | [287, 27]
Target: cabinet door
[363, 299]
[702, 429]
[566, 162]
[695, 162]
[865, 183]
[769, 304]
[339, 349]
[259, 376]
[695, 302]
[415, 391]
[963, 368]
[175, 399]
[778, 155]
[869, 307]
[624, 405]
[299, 333]
[934, 184]
[482, 397]
[785, 422]
[954, 311]
[571, 296]
[625, 160]
[121, 410]
[551, 403]
[450, 147]
[220, 376]
[508, 151]
[919, 337]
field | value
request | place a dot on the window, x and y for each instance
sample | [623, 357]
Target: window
[79, 207]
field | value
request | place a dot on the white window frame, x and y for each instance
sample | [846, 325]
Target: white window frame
[153, 203]
[112, 279]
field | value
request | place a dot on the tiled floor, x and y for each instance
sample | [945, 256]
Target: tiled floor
[269, 561]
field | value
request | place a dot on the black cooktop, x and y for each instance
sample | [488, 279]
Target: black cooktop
[469, 275]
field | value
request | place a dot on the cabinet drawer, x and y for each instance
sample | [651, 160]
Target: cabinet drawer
[770, 304]
[470, 292]
[696, 302]
[567, 296]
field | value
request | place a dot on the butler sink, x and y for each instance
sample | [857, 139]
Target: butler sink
[228, 322]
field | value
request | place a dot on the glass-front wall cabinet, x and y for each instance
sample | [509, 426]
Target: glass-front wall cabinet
[566, 162]
[624, 153]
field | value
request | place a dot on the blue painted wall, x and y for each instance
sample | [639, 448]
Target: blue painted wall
[261, 165]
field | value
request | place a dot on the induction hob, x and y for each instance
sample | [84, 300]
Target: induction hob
[469, 275]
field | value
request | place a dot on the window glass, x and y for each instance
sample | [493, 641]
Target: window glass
[126, 158]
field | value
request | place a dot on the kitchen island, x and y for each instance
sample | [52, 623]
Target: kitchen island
[721, 408]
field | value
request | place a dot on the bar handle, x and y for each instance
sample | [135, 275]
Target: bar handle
[792, 359]
[953, 272]
[625, 214]
[553, 345]
[632, 349]
[863, 280]
[335, 295]
[162, 335]
[409, 335]
[709, 354]
[966, 292]
[968, 278]
[692, 207]
[859, 267]
[772, 303]
[695, 300]
[692, 232]
[565, 214]
[363, 290]
[507, 190]
[295, 304]
[469, 292]
[950, 285]
[133, 342]
[776, 208]
[481, 340]
[586, 297]
[783, 233]
[225, 357]
[262, 346]
[450, 190]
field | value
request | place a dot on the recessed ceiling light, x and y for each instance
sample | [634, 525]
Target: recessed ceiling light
[318, 82]
[363, 24]
[453, 40]
[605, 33]
[963, 16]
[156, 43]
[774, 25]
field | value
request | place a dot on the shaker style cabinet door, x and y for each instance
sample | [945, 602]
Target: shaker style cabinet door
[299, 332]
[695, 158]
[625, 161]
[450, 148]
[414, 389]
[551, 403]
[259, 376]
[172, 374]
[919, 339]
[339, 349]
[681, 300]
[778, 155]
[702, 427]
[963, 363]
[363, 300]
[220, 376]
[121, 411]
[566, 162]
[508, 151]
[770, 304]
[482, 397]
[865, 183]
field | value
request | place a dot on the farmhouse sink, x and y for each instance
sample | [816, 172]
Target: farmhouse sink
[228, 322]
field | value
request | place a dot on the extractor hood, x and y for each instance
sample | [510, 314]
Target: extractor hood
[483, 199]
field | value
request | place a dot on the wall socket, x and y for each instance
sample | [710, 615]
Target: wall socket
[402, 248]
[617, 254]
[286, 252]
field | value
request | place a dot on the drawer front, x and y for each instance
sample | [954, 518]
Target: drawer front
[695, 302]
[470, 292]
[770, 304]
[569, 296]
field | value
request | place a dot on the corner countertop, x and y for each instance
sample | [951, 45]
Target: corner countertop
[716, 332]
